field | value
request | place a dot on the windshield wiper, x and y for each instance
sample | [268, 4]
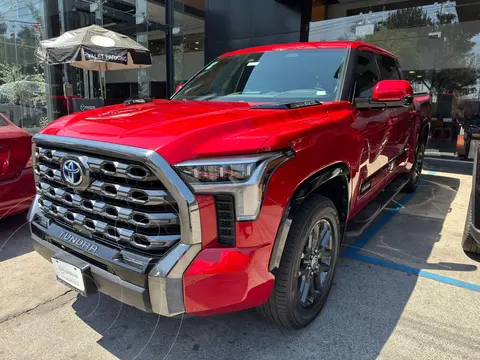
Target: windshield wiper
[288, 106]
[139, 100]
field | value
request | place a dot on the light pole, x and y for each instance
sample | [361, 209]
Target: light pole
[16, 51]
[23, 52]
[6, 50]
[169, 9]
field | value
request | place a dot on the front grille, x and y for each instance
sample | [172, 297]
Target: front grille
[122, 204]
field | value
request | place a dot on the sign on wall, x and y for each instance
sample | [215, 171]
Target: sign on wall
[86, 104]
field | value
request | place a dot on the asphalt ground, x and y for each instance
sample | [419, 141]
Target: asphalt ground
[403, 290]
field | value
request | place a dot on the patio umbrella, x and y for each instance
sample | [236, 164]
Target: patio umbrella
[95, 48]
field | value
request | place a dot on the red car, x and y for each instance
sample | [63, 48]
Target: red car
[17, 187]
[238, 191]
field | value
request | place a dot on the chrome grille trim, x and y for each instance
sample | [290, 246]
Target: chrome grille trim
[122, 192]
[127, 193]
[50, 173]
[127, 215]
[50, 155]
[115, 233]
[98, 165]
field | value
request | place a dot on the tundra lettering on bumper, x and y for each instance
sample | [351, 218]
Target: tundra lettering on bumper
[83, 244]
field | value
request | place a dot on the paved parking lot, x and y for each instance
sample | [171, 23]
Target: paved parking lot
[403, 290]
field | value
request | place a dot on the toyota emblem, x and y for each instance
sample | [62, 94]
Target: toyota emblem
[72, 172]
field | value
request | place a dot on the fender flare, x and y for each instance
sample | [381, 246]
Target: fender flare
[305, 188]
[424, 130]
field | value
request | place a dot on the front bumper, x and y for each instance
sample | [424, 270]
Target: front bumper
[105, 282]
[185, 279]
[139, 281]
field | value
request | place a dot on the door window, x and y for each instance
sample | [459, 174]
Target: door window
[388, 68]
[366, 75]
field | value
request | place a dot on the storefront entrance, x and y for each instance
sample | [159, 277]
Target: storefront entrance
[32, 95]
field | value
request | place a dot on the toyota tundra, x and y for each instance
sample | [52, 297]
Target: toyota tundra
[239, 190]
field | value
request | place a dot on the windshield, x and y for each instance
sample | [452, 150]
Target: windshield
[276, 76]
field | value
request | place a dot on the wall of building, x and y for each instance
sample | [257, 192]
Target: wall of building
[233, 24]
[436, 42]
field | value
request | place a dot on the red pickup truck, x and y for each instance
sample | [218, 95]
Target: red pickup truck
[238, 191]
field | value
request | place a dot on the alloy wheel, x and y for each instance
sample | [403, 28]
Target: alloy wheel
[419, 162]
[316, 264]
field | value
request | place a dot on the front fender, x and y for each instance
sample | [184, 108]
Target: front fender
[306, 188]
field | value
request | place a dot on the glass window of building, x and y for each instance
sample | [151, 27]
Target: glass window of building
[32, 95]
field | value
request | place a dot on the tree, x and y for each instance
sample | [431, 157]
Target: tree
[408, 18]
[38, 16]
[20, 88]
[27, 42]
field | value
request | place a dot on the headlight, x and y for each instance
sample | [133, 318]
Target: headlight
[222, 170]
[245, 177]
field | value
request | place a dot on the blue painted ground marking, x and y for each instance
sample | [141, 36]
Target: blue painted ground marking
[352, 250]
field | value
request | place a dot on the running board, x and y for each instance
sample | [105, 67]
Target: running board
[359, 223]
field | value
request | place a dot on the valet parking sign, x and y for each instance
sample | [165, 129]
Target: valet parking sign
[118, 56]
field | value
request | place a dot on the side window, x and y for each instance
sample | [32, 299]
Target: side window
[366, 75]
[388, 68]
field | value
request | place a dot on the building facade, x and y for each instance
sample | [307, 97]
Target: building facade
[33, 94]
[437, 42]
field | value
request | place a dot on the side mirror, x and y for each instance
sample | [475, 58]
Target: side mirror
[388, 93]
[178, 87]
[392, 90]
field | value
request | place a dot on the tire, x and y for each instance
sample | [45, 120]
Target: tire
[289, 303]
[468, 242]
[416, 171]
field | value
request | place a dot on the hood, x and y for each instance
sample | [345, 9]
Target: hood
[178, 130]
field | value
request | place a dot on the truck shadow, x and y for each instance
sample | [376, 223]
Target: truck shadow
[14, 237]
[362, 312]
[421, 224]
[359, 317]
